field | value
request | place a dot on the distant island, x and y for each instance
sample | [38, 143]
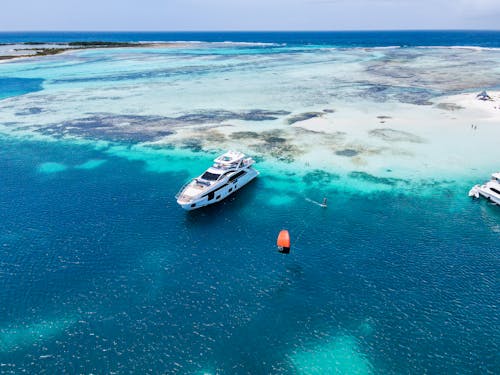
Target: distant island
[47, 49]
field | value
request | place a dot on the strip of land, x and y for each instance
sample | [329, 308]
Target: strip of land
[38, 49]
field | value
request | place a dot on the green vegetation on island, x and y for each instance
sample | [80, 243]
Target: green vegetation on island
[63, 47]
[50, 51]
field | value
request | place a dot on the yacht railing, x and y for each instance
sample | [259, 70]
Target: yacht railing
[179, 194]
[204, 185]
[248, 162]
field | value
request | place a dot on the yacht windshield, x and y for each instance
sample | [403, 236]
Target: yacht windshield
[210, 176]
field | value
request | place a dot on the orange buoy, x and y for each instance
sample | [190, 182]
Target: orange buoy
[283, 242]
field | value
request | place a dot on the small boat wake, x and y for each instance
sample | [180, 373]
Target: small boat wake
[321, 204]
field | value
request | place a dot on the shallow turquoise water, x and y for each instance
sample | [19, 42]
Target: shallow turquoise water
[102, 272]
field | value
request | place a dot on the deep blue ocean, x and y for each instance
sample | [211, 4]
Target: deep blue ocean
[101, 272]
[292, 38]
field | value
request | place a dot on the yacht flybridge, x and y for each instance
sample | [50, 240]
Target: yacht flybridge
[490, 190]
[230, 172]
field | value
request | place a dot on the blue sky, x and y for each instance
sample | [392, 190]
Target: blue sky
[150, 15]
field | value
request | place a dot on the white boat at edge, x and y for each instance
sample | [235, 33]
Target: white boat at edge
[490, 190]
[229, 173]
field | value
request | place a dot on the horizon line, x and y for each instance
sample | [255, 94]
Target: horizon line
[239, 31]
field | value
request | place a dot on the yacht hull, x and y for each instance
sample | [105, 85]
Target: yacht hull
[492, 198]
[490, 190]
[220, 193]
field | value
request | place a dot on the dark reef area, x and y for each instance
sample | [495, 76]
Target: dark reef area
[374, 179]
[348, 152]
[392, 135]
[138, 128]
[319, 177]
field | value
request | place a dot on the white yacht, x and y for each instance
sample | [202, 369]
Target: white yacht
[490, 190]
[230, 172]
